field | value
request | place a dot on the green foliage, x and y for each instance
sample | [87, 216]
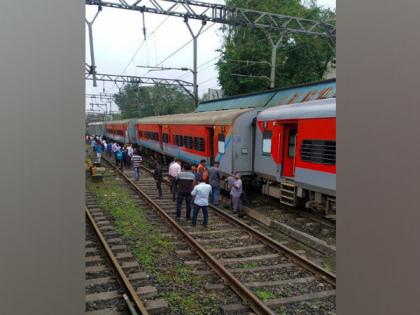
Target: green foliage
[250, 265]
[264, 295]
[178, 283]
[141, 101]
[300, 58]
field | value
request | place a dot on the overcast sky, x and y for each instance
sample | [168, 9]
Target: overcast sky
[118, 35]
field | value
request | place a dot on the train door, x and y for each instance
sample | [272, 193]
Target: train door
[211, 145]
[289, 150]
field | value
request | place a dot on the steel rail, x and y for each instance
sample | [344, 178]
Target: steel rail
[295, 257]
[244, 293]
[132, 292]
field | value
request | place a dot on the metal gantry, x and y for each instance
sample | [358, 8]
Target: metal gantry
[219, 13]
[139, 80]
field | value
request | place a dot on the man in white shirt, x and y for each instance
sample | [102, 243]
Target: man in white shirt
[201, 192]
[130, 151]
[174, 170]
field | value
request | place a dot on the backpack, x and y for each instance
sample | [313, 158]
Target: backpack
[119, 155]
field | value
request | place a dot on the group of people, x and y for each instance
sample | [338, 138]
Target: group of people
[124, 156]
[196, 184]
[199, 186]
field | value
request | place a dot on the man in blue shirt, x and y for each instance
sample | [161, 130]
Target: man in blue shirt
[99, 151]
[201, 192]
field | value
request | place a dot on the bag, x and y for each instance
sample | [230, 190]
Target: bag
[119, 155]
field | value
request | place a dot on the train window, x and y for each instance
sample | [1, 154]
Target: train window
[266, 144]
[318, 151]
[156, 136]
[165, 138]
[179, 141]
[221, 143]
[199, 144]
[292, 143]
[119, 132]
[140, 133]
[188, 142]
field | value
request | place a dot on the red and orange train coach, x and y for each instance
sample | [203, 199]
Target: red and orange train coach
[117, 130]
[224, 136]
[297, 158]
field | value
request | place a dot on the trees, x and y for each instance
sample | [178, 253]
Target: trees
[300, 58]
[134, 101]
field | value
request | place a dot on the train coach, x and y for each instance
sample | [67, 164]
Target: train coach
[225, 136]
[297, 153]
[96, 128]
[122, 131]
[289, 150]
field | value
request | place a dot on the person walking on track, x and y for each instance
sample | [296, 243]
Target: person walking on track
[185, 184]
[136, 160]
[215, 175]
[174, 170]
[201, 193]
[236, 193]
[130, 152]
[99, 151]
[119, 157]
[157, 174]
[114, 151]
[109, 149]
[125, 156]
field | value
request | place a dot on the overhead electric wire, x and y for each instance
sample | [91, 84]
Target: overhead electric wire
[182, 47]
[142, 43]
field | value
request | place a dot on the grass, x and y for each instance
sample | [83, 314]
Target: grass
[328, 264]
[264, 295]
[156, 254]
[250, 265]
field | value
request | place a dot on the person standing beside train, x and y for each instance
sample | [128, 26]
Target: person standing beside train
[215, 175]
[185, 184]
[202, 170]
[136, 159]
[236, 193]
[174, 170]
[201, 193]
[230, 180]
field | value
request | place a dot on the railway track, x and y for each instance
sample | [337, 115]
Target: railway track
[308, 234]
[108, 289]
[267, 276]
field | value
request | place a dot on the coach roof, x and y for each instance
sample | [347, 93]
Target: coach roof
[219, 117]
[113, 122]
[313, 109]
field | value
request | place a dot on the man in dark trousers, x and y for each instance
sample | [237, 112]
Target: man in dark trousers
[136, 159]
[215, 175]
[185, 184]
[201, 193]
[157, 174]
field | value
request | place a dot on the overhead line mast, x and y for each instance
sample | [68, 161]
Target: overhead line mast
[219, 13]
